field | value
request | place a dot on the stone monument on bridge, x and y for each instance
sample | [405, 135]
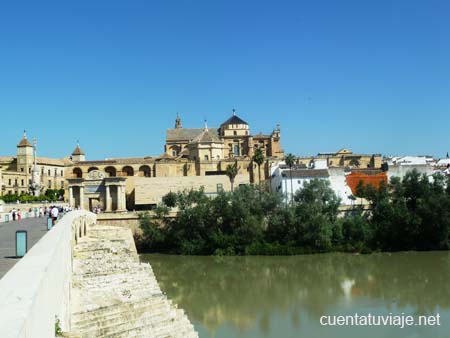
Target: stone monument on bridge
[98, 190]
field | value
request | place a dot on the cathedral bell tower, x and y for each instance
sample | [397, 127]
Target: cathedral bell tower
[178, 122]
[24, 155]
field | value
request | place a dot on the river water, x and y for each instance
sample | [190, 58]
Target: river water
[278, 297]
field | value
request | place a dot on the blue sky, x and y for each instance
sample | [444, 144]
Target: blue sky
[372, 76]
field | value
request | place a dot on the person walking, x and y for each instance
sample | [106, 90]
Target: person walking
[19, 215]
[13, 212]
[54, 213]
[35, 211]
[41, 212]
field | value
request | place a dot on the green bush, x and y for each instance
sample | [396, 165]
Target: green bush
[408, 214]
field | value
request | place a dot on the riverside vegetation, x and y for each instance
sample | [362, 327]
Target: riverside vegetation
[407, 214]
[51, 195]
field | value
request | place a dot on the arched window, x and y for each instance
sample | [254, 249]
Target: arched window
[77, 173]
[92, 169]
[127, 171]
[145, 171]
[111, 171]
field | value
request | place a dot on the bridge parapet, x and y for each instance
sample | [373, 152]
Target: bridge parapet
[38, 287]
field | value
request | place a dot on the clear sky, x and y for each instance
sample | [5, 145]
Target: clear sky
[372, 76]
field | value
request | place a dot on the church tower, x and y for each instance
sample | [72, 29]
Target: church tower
[178, 122]
[78, 154]
[24, 155]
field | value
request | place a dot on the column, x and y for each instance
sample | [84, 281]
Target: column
[124, 200]
[107, 199]
[121, 203]
[82, 197]
[71, 202]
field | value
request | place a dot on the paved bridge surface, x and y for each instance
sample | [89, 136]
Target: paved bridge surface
[35, 227]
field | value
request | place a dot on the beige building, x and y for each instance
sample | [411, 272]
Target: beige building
[193, 157]
[16, 172]
[231, 140]
[344, 158]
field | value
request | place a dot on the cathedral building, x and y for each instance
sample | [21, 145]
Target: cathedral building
[231, 140]
[192, 158]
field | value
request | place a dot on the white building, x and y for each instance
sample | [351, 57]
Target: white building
[281, 180]
[444, 162]
[411, 160]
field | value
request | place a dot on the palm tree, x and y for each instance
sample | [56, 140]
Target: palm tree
[354, 162]
[231, 172]
[290, 159]
[258, 158]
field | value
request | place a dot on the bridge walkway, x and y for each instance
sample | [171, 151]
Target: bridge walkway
[35, 227]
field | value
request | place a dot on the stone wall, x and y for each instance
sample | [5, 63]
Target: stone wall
[150, 190]
[128, 220]
[114, 295]
[37, 288]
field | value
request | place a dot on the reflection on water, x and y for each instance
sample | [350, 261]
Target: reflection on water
[285, 296]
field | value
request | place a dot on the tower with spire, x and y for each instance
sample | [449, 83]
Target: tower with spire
[78, 154]
[178, 122]
[25, 155]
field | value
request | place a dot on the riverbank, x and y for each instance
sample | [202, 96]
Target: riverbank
[411, 214]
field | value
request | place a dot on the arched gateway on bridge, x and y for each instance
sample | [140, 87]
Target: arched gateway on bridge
[98, 190]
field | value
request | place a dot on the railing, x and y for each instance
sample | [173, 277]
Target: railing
[36, 290]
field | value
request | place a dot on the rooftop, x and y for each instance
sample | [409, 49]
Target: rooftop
[234, 120]
[187, 134]
[306, 173]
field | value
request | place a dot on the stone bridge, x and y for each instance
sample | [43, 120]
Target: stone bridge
[88, 278]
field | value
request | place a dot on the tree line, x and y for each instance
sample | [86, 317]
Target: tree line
[50, 195]
[412, 213]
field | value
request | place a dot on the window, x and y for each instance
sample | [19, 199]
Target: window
[235, 133]
[49, 172]
[9, 182]
[236, 150]
[62, 184]
[174, 153]
[62, 173]
[29, 170]
[21, 169]
[49, 183]
[23, 183]
[15, 182]
[206, 158]
[219, 187]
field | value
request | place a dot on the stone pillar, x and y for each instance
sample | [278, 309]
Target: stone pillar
[124, 199]
[82, 197]
[71, 202]
[121, 203]
[107, 199]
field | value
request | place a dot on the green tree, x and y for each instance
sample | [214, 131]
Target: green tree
[258, 158]
[152, 226]
[170, 199]
[290, 160]
[317, 208]
[354, 162]
[231, 172]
